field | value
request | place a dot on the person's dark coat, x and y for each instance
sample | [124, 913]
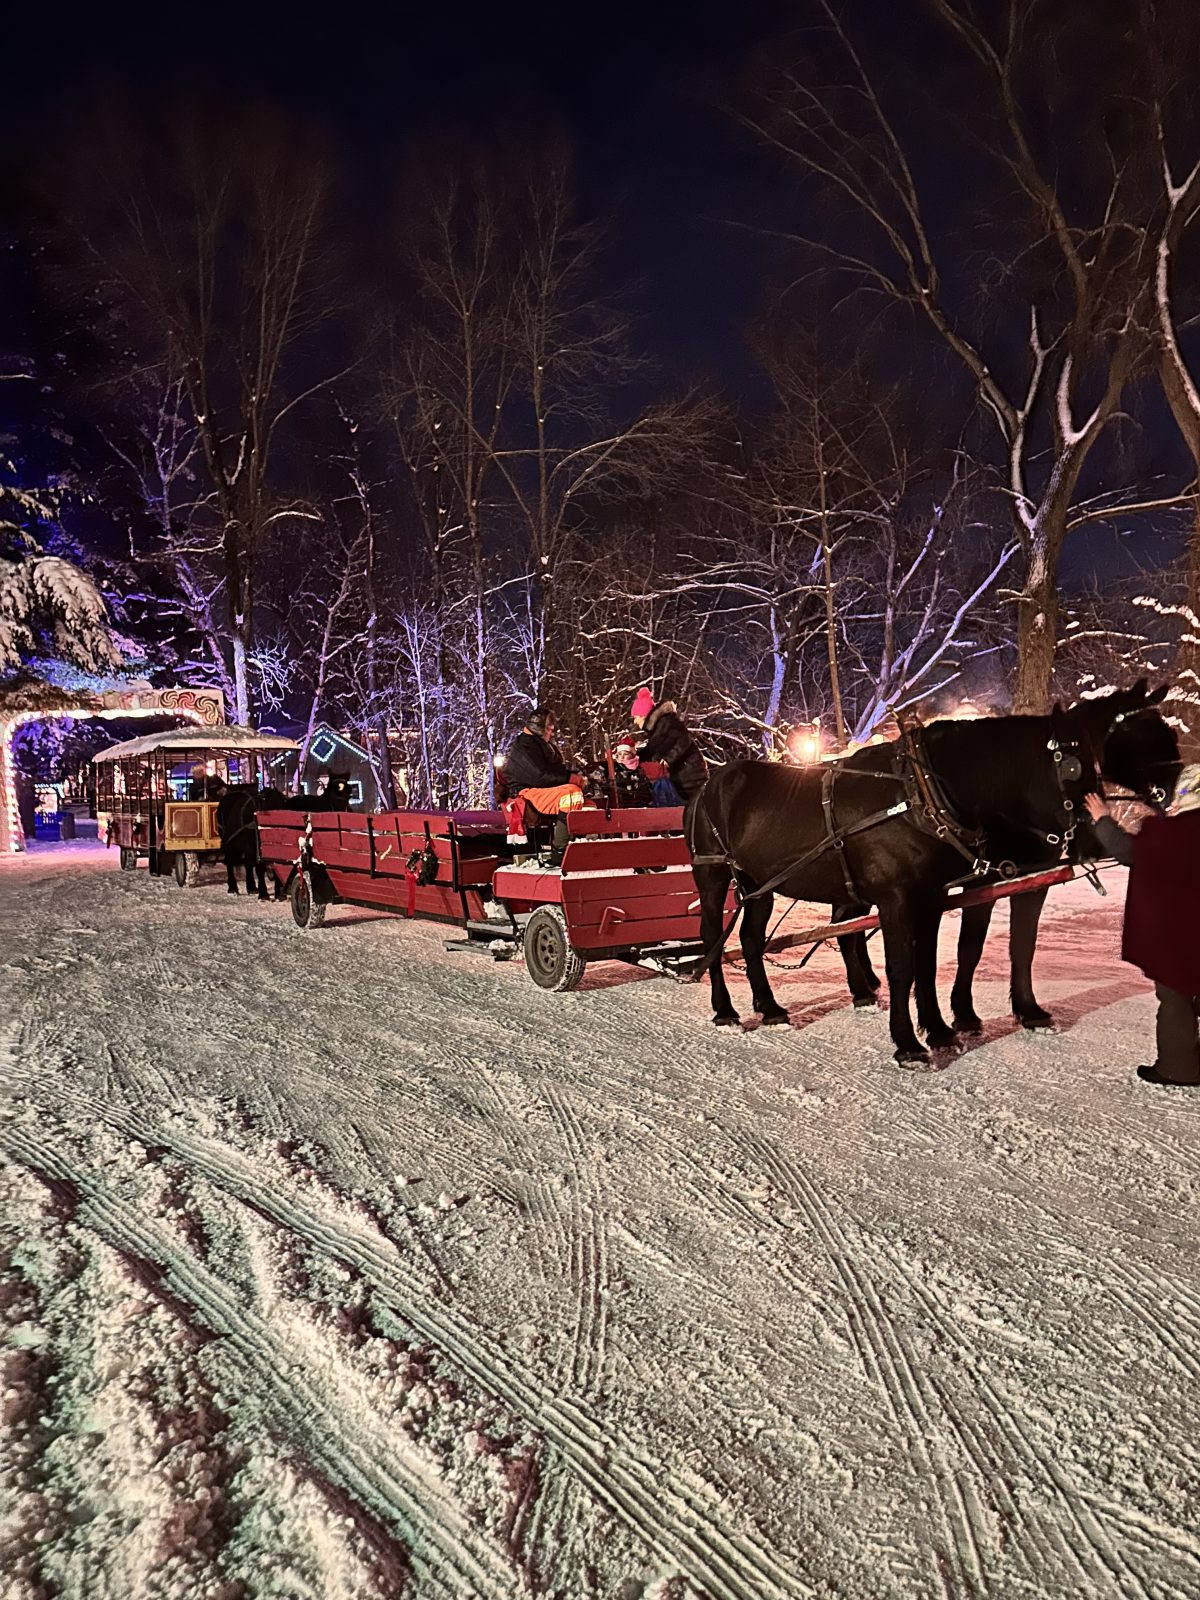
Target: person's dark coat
[1162, 933]
[1114, 841]
[633, 786]
[534, 763]
[669, 741]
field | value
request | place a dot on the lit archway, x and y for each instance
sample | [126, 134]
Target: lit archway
[203, 706]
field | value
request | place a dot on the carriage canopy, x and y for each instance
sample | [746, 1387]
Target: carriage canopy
[229, 737]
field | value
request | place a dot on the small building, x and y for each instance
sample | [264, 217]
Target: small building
[330, 751]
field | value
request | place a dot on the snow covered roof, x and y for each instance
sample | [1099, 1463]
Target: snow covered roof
[228, 737]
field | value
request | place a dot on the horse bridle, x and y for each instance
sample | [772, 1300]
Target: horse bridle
[1067, 766]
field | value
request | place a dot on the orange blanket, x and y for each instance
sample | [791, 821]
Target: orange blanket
[559, 797]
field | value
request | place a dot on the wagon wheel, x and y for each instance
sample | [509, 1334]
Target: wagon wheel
[128, 859]
[549, 958]
[187, 868]
[305, 911]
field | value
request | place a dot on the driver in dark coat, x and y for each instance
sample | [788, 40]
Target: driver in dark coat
[1160, 933]
[535, 770]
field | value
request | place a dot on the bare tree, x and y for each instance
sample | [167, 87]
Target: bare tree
[208, 239]
[449, 384]
[562, 452]
[157, 446]
[1171, 35]
[1075, 274]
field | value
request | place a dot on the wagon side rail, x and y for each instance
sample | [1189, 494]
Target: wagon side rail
[435, 864]
[625, 882]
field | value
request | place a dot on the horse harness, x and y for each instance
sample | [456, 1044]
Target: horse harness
[924, 800]
[925, 803]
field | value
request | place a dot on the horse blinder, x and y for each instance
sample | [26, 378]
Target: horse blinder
[1070, 767]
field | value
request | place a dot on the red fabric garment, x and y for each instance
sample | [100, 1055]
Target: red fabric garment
[1162, 905]
[514, 818]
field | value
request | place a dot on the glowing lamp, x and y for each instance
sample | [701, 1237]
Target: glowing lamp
[499, 762]
[804, 743]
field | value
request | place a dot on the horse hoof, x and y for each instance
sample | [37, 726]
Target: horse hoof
[231, 891]
[1035, 1020]
[942, 1039]
[727, 1020]
[862, 1001]
[968, 1024]
[913, 1057]
[774, 1019]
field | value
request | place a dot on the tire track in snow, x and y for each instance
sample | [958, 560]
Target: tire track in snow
[916, 1398]
[1185, 1159]
[559, 1527]
[413, 1232]
[1143, 1298]
[1091, 1548]
[657, 1506]
[1006, 1436]
[369, 1460]
[589, 1252]
[1081, 1538]
[548, 1233]
[889, 1361]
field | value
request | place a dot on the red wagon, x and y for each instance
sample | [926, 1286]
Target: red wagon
[624, 891]
[625, 884]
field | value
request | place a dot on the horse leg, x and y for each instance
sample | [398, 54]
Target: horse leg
[756, 915]
[972, 935]
[928, 920]
[860, 975]
[1022, 942]
[898, 925]
[713, 886]
[230, 877]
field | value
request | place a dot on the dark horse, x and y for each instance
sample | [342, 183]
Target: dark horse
[237, 813]
[1141, 755]
[1006, 781]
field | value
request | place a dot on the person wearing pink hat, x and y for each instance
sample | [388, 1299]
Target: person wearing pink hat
[668, 741]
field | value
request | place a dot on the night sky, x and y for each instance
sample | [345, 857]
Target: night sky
[635, 87]
[639, 90]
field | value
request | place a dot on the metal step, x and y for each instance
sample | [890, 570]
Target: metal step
[484, 929]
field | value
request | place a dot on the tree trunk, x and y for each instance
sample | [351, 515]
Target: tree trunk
[241, 683]
[377, 720]
[1037, 632]
[1187, 654]
[831, 642]
[778, 680]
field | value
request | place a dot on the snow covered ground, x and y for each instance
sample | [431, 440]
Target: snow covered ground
[337, 1265]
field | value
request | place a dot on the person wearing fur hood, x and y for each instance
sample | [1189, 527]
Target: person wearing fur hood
[668, 741]
[1160, 921]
